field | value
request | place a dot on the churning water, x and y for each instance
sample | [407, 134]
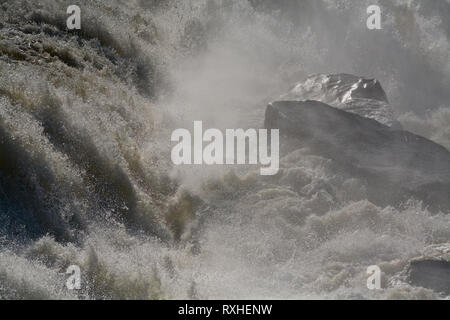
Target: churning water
[85, 172]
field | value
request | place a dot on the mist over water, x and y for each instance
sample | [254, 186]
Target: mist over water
[85, 172]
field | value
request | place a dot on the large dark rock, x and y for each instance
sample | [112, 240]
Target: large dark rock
[397, 165]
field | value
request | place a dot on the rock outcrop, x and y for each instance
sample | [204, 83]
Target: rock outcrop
[431, 273]
[350, 93]
[397, 165]
[430, 270]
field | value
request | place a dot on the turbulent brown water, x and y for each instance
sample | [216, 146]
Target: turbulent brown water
[85, 172]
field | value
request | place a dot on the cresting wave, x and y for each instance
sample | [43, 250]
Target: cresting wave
[85, 171]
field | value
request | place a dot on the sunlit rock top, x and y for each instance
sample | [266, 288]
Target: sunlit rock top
[350, 93]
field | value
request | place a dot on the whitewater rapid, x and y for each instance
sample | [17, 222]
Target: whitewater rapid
[85, 171]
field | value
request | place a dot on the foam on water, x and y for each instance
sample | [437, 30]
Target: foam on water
[85, 173]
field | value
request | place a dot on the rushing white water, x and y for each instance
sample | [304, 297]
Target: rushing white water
[85, 172]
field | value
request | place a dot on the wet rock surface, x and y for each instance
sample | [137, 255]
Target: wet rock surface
[432, 270]
[396, 164]
[347, 92]
[431, 274]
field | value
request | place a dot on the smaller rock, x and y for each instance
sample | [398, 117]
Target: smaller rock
[432, 272]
